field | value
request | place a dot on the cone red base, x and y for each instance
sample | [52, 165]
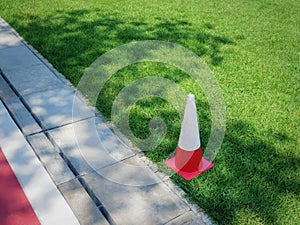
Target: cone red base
[204, 166]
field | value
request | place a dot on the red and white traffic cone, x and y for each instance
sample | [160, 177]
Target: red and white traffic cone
[188, 161]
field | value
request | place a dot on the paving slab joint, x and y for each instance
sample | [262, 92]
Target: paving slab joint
[8, 83]
[21, 99]
[106, 215]
[45, 129]
[195, 209]
[11, 115]
[69, 164]
[96, 200]
[64, 157]
[62, 154]
[82, 182]
[175, 218]
[15, 98]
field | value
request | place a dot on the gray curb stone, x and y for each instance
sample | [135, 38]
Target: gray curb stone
[22, 116]
[52, 161]
[82, 205]
[5, 91]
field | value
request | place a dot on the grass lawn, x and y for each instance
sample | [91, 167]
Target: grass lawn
[253, 49]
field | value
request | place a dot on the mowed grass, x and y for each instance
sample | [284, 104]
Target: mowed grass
[253, 49]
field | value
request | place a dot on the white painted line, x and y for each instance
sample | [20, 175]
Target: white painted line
[46, 200]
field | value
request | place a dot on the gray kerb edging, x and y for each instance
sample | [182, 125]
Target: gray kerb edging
[164, 178]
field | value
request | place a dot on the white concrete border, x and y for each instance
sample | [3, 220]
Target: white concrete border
[46, 200]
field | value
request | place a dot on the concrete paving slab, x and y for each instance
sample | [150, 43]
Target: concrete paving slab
[34, 79]
[113, 145]
[22, 116]
[55, 108]
[5, 90]
[147, 205]
[131, 172]
[85, 147]
[52, 161]
[188, 218]
[8, 39]
[17, 57]
[44, 197]
[82, 205]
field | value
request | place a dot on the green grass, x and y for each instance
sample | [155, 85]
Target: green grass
[253, 49]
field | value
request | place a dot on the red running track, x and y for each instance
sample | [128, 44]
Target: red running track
[15, 209]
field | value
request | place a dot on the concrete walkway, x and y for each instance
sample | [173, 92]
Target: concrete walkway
[93, 176]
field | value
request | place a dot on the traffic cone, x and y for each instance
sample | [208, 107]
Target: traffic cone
[188, 161]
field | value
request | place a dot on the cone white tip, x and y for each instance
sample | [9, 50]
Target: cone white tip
[189, 138]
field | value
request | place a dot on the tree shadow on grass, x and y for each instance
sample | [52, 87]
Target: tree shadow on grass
[251, 181]
[72, 40]
[251, 178]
